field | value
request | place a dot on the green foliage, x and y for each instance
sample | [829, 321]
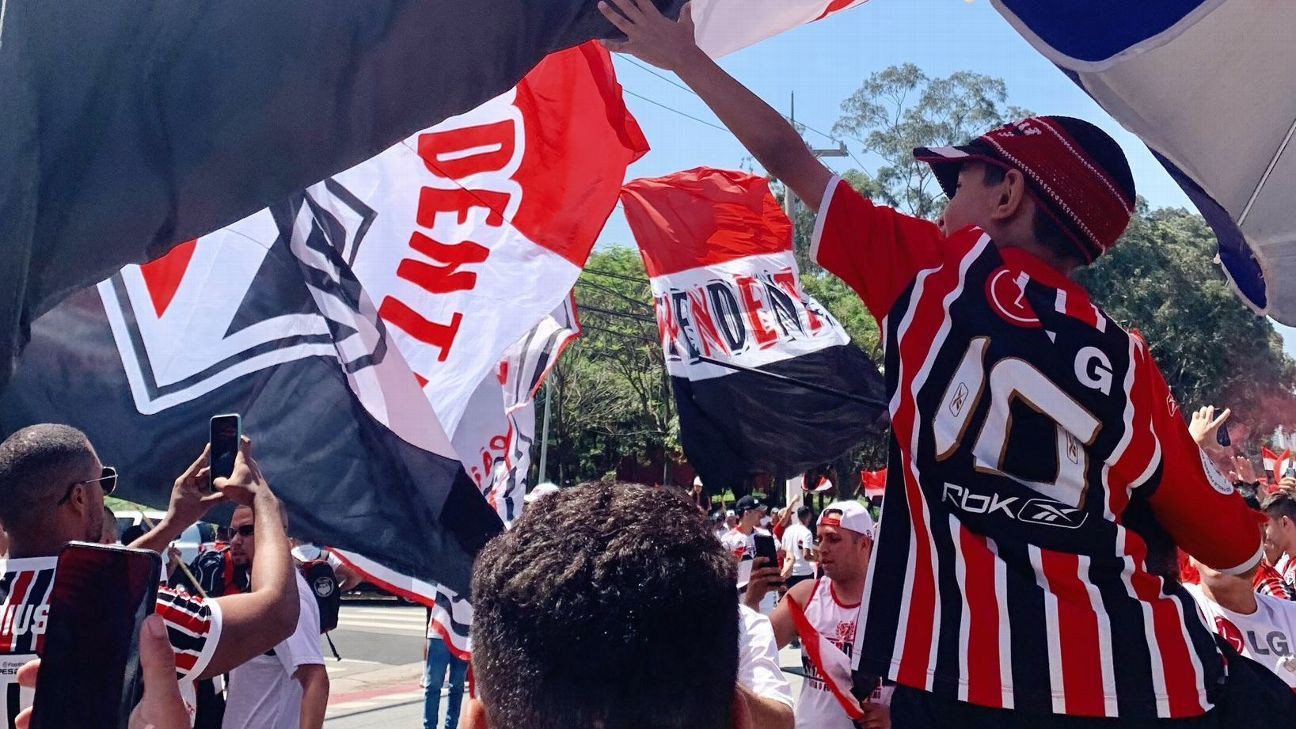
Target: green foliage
[611, 394]
[901, 107]
[1162, 280]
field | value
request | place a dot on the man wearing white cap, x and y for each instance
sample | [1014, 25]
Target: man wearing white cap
[832, 604]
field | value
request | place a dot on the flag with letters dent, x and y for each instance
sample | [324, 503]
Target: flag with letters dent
[718, 252]
[351, 324]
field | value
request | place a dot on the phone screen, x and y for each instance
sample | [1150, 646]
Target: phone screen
[226, 430]
[765, 548]
[89, 671]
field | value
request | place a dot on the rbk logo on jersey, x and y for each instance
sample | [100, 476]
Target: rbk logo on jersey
[240, 300]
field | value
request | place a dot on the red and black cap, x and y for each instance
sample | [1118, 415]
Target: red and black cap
[1075, 170]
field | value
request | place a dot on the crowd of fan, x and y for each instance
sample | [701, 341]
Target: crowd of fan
[609, 605]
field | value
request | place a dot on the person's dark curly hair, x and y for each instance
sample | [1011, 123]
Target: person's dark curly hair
[606, 605]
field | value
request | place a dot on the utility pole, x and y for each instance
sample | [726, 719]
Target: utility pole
[544, 431]
[789, 199]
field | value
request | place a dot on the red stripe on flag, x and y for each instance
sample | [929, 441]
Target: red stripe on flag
[813, 642]
[1082, 668]
[985, 684]
[702, 217]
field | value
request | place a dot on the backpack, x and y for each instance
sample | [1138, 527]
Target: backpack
[319, 574]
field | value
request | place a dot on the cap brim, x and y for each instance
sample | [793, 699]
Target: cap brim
[946, 162]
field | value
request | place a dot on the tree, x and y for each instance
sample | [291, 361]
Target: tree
[612, 400]
[1161, 279]
[900, 108]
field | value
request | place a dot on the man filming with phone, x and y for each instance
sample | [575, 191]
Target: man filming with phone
[52, 489]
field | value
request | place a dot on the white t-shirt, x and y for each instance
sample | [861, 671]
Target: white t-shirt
[262, 692]
[758, 667]
[743, 548]
[796, 539]
[1267, 636]
[193, 624]
[307, 552]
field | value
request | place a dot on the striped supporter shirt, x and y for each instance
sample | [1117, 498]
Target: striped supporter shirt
[192, 624]
[1027, 429]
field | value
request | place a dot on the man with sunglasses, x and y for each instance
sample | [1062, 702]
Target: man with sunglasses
[52, 489]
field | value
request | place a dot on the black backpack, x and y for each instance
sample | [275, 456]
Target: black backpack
[319, 574]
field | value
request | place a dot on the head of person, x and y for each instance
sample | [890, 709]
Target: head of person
[804, 514]
[751, 512]
[1279, 525]
[1056, 186]
[697, 484]
[609, 606]
[52, 488]
[109, 527]
[731, 519]
[243, 536]
[844, 538]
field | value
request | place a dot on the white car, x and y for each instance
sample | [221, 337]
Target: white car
[190, 541]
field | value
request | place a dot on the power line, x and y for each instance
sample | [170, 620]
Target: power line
[619, 314]
[649, 69]
[613, 292]
[677, 111]
[618, 276]
[631, 60]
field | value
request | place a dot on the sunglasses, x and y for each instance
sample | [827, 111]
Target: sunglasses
[107, 482]
[245, 531]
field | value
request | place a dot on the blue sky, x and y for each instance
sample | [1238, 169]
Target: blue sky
[824, 62]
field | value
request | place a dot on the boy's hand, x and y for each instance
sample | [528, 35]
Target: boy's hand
[651, 36]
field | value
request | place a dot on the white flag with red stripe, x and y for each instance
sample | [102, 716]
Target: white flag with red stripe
[833, 665]
[725, 26]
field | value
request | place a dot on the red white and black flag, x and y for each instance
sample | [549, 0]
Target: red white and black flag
[352, 324]
[718, 251]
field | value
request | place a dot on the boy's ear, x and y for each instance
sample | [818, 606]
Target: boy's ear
[1012, 195]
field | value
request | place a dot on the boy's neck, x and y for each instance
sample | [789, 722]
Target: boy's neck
[1063, 265]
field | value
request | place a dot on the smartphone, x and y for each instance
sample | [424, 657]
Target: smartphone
[765, 548]
[1222, 436]
[226, 434]
[89, 670]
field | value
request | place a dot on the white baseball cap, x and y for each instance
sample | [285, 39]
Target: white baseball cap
[848, 515]
[540, 490]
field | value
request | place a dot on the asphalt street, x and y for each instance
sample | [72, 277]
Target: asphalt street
[376, 684]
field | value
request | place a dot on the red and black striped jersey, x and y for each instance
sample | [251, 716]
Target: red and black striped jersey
[192, 624]
[1027, 429]
[1268, 581]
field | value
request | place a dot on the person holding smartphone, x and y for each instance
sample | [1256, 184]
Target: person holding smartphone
[52, 489]
[756, 572]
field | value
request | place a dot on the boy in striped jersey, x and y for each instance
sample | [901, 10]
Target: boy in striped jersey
[52, 489]
[1008, 586]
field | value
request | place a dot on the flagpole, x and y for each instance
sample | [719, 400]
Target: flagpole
[871, 402]
[544, 433]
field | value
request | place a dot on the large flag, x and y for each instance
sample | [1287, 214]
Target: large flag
[463, 237]
[1206, 84]
[495, 438]
[173, 119]
[263, 318]
[718, 252]
[725, 26]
